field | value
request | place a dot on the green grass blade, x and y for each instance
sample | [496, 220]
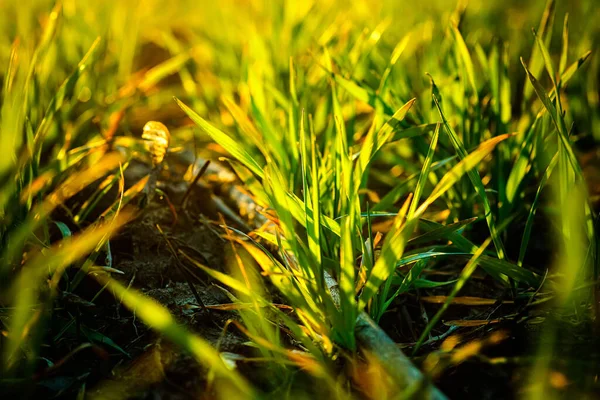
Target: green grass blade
[544, 29]
[571, 69]
[441, 232]
[65, 91]
[466, 165]
[467, 62]
[375, 140]
[394, 194]
[366, 95]
[533, 209]
[424, 173]
[163, 70]
[462, 280]
[224, 140]
[220, 276]
[546, 58]
[474, 175]
[158, 318]
[564, 54]
[557, 119]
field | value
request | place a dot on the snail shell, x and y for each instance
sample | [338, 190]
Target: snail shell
[158, 138]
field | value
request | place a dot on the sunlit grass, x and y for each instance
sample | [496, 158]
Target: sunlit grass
[379, 144]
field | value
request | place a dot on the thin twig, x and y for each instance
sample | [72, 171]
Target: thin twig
[182, 269]
[194, 182]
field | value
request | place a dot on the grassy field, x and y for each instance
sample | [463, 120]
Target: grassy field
[299, 199]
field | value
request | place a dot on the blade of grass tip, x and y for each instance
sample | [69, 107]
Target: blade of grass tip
[533, 209]
[557, 119]
[126, 198]
[361, 50]
[495, 267]
[245, 124]
[223, 140]
[545, 31]
[396, 53]
[463, 278]
[158, 318]
[293, 119]
[365, 95]
[91, 203]
[467, 62]
[11, 69]
[375, 140]
[482, 59]
[566, 76]
[474, 175]
[547, 62]
[571, 69]
[564, 54]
